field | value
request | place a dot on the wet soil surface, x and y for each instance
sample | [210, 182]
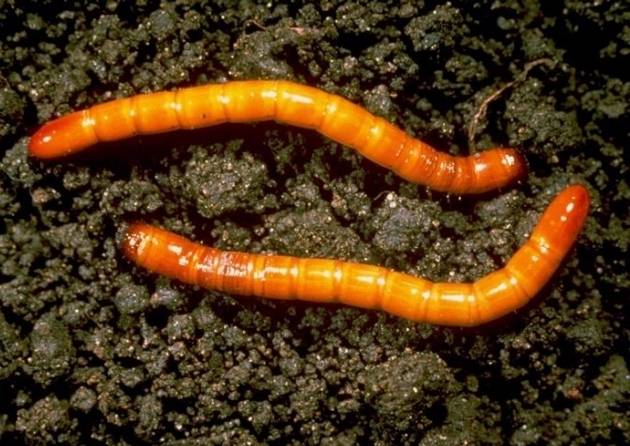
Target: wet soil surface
[94, 350]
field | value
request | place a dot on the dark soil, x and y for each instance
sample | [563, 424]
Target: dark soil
[94, 350]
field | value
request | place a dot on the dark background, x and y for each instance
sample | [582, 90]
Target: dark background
[96, 351]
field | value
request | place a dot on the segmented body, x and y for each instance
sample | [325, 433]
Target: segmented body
[368, 286]
[286, 102]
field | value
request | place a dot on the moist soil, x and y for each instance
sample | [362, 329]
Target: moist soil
[94, 350]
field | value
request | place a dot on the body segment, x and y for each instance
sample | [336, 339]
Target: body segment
[285, 102]
[368, 286]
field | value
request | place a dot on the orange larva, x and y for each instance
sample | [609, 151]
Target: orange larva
[287, 102]
[324, 280]
[368, 286]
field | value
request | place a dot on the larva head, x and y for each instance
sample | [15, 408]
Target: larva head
[496, 168]
[62, 136]
[160, 251]
[513, 161]
[136, 241]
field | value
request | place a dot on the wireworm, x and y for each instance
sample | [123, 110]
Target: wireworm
[369, 286]
[287, 102]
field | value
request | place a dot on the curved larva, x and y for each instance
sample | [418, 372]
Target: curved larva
[290, 103]
[368, 286]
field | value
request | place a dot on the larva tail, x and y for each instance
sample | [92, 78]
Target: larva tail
[533, 264]
[63, 136]
[563, 219]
